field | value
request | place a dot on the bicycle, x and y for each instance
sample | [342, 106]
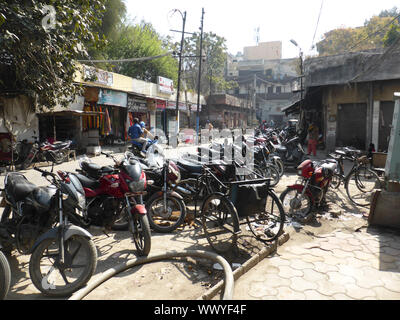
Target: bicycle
[360, 181]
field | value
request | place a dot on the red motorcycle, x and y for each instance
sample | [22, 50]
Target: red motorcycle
[298, 200]
[115, 201]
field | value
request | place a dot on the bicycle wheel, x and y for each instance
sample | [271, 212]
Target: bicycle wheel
[295, 205]
[220, 222]
[165, 215]
[280, 166]
[360, 186]
[268, 225]
[57, 279]
[272, 173]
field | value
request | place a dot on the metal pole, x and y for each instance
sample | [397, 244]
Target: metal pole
[199, 80]
[179, 74]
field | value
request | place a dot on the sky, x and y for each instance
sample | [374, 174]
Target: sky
[278, 20]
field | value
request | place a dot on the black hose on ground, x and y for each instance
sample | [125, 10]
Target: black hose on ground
[106, 275]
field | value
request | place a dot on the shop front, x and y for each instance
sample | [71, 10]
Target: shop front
[137, 108]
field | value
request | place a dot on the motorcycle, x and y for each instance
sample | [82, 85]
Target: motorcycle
[63, 256]
[46, 151]
[291, 152]
[115, 200]
[165, 208]
[5, 275]
[299, 199]
[136, 147]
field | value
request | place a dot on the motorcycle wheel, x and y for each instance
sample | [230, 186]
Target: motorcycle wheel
[280, 166]
[5, 276]
[271, 172]
[295, 205]
[162, 220]
[56, 280]
[141, 234]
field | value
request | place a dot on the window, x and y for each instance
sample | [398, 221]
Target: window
[278, 89]
[270, 89]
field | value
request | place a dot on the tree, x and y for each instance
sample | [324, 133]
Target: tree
[377, 32]
[40, 61]
[137, 41]
[213, 63]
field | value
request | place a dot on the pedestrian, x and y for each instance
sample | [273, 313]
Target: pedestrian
[135, 132]
[313, 134]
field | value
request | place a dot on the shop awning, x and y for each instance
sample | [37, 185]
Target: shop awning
[292, 108]
[73, 113]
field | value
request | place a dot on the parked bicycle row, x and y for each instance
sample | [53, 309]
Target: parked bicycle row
[141, 194]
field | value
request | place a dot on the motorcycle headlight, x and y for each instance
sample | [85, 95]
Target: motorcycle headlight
[81, 201]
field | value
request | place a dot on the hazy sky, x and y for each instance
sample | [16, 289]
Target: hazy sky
[280, 20]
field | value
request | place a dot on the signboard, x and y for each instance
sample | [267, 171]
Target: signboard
[172, 106]
[112, 98]
[161, 104]
[98, 76]
[136, 105]
[165, 85]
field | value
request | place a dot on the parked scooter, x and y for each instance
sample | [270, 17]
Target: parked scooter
[29, 224]
[298, 200]
[115, 200]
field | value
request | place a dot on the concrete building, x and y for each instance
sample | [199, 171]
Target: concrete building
[264, 51]
[350, 96]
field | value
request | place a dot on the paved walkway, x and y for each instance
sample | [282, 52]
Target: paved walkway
[341, 265]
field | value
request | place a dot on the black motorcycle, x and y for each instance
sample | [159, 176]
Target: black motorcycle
[35, 221]
[291, 152]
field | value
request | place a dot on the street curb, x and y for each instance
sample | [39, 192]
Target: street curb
[252, 262]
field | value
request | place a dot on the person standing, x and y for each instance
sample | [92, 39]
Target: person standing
[313, 134]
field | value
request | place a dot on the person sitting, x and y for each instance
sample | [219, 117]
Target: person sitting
[136, 134]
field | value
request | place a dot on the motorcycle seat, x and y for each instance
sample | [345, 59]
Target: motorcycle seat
[88, 182]
[191, 167]
[280, 148]
[43, 196]
[19, 187]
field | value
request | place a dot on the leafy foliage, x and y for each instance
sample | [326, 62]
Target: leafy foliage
[41, 61]
[378, 32]
[137, 41]
[213, 63]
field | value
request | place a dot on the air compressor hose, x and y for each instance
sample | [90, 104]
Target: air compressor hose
[108, 274]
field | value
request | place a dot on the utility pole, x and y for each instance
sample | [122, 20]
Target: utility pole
[199, 79]
[254, 98]
[179, 74]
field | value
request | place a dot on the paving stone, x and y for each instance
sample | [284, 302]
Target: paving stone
[325, 267]
[300, 264]
[300, 284]
[343, 235]
[329, 246]
[313, 275]
[287, 272]
[330, 288]
[387, 258]
[277, 262]
[357, 263]
[365, 256]
[385, 294]
[350, 271]
[342, 254]
[297, 250]
[286, 293]
[341, 296]
[358, 293]
[315, 295]
[355, 242]
[311, 258]
[368, 282]
[340, 279]
[391, 284]
[317, 252]
[332, 260]
[259, 289]
[392, 251]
